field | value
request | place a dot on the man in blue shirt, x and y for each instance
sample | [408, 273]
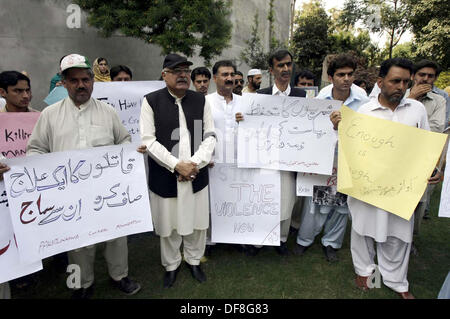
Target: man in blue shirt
[333, 219]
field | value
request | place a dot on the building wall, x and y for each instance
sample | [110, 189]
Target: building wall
[34, 36]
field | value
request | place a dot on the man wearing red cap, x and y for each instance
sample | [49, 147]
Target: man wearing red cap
[178, 130]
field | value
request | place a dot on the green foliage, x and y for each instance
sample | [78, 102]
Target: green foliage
[443, 80]
[253, 55]
[310, 41]
[404, 50]
[430, 22]
[390, 17]
[174, 25]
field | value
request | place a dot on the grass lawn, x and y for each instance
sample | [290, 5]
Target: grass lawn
[233, 275]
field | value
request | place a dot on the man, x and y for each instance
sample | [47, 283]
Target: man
[391, 233]
[280, 66]
[80, 122]
[178, 130]
[332, 219]
[304, 78]
[223, 107]
[15, 89]
[423, 77]
[121, 73]
[254, 79]
[56, 79]
[201, 78]
[238, 83]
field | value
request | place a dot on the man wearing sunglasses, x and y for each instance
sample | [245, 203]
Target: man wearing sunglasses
[238, 83]
[177, 129]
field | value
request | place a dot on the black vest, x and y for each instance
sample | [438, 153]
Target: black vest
[294, 91]
[166, 119]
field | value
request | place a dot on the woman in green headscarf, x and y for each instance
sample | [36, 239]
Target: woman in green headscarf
[101, 70]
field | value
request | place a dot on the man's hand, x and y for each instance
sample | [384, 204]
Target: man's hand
[419, 90]
[3, 169]
[239, 117]
[142, 149]
[188, 170]
[211, 164]
[335, 118]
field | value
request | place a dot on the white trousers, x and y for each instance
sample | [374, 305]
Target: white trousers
[116, 256]
[193, 249]
[392, 255]
[331, 219]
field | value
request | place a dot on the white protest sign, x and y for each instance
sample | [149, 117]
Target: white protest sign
[126, 98]
[10, 265]
[67, 200]
[444, 206]
[287, 133]
[307, 181]
[245, 205]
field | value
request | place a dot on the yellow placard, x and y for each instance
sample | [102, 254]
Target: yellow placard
[385, 164]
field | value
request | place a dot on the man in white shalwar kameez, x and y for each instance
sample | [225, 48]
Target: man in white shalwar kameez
[391, 234]
[224, 104]
[178, 176]
[80, 122]
[281, 66]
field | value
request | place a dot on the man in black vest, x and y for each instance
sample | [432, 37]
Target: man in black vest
[178, 130]
[280, 66]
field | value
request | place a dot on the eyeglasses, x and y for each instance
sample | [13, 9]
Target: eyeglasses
[179, 71]
[239, 81]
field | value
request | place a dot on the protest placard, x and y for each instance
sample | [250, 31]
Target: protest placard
[10, 265]
[306, 181]
[245, 205]
[16, 128]
[287, 133]
[384, 163]
[126, 98]
[67, 200]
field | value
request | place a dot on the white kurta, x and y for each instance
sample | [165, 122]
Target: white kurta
[225, 126]
[62, 126]
[368, 220]
[188, 211]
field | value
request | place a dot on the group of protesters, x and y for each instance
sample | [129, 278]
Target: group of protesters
[178, 176]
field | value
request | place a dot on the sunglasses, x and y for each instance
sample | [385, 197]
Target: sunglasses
[238, 81]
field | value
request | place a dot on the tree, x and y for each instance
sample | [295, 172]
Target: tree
[174, 25]
[310, 38]
[430, 23]
[254, 55]
[389, 16]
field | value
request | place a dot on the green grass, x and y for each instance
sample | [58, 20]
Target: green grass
[231, 274]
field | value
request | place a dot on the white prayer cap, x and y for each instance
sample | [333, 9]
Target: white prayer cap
[254, 72]
[74, 61]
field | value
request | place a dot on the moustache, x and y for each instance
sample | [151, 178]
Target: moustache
[182, 81]
[81, 90]
[229, 82]
[285, 73]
